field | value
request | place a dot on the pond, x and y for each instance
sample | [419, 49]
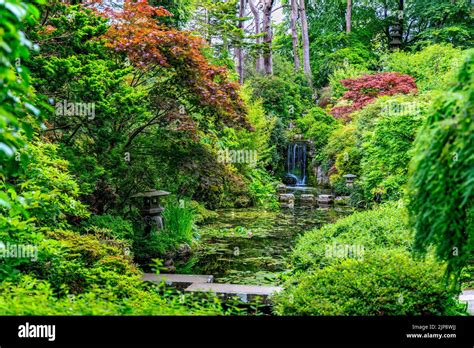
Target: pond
[251, 246]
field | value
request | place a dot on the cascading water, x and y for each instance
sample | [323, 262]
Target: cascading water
[296, 162]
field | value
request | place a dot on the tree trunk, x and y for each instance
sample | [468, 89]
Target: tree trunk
[208, 34]
[401, 14]
[239, 50]
[305, 36]
[268, 37]
[256, 16]
[294, 33]
[385, 15]
[348, 16]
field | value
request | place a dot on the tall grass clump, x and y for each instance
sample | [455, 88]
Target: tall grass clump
[178, 219]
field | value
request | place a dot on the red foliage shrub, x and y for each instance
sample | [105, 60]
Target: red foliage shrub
[364, 90]
[343, 112]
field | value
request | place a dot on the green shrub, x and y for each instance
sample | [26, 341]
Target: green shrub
[262, 189]
[341, 155]
[45, 195]
[34, 297]
[178, 221]
[377, 146]
[48, 188]
[386, 131]
[442, 175]
[285, 94]
[18, 113]
[201, 214]
[340, 187]
[316, 125]
[385, 226]
[74, 263]
[385, 282]
[362, 265]
[467, 277]
[114, 226]
[259, 139]
[433, 67]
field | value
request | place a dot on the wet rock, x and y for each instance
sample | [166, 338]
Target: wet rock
[184, 249]
[322, 176]
[307, 200]
[325, 199]
[287, 200]
[289, 180]
[281, 188]
[169, 266]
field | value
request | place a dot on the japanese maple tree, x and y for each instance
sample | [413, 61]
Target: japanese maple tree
[150, 45]
[364, 90]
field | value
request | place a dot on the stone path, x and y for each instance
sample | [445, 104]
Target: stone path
[246, 293]
[468, 296]
[204, 283]
[178, 280]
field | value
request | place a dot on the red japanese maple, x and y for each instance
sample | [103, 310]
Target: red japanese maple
[364, 90]
[137, 32]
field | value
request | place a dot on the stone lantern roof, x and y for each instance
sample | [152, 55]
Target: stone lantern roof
[151, 202]
[151, 210]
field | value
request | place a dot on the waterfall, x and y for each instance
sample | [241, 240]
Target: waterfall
[296, 162]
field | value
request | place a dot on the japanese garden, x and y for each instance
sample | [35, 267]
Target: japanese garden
[237, 157]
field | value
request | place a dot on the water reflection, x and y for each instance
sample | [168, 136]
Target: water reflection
[250, 246]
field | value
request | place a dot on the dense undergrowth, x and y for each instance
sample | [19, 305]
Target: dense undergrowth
[363, 265]
[386, 282]
[382, 261]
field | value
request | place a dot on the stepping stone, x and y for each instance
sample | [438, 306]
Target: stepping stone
[287, 200]
[325, 198]
[245, 293]
[307, 199]
[178, 280]
[468, 296]
[285, 197]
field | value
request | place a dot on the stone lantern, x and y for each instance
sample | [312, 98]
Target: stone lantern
[350, 179]
[152, 210]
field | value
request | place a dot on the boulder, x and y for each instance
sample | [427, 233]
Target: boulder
[307, 199]
[287, 200]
